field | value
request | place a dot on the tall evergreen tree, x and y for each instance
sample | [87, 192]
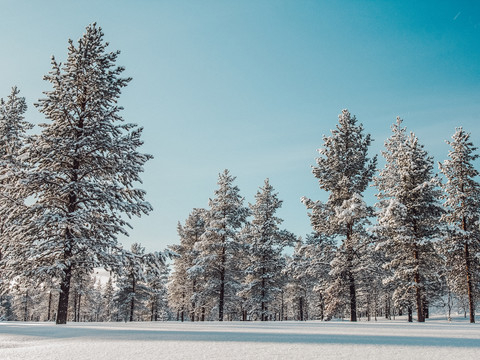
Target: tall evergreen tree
[13, 136]
[462, 204]
[265, 243]
[408, 219]
[84, 167]
[219, 247]
[344, 170]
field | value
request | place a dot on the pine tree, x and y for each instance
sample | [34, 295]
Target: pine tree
[219, 247]
[408, 219]
[462, 203]
[301, 281]
[185, 282]
[13, 136]
[131, 285]
[344, 171]
[265, 243]
[84, 166]
[108, 300]
[156, 283]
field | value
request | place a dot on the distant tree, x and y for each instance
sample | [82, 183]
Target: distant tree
[408, 220]
[461, 245]
[84, 167]
[108, 300]
[319, 251]
[185, 282]
[344, 171]
[220, 247]
[156, 283]
[131, 291]
[265, 242]
[81, 288]
[300, 282]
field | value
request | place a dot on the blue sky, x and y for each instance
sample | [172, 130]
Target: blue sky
[253, 85]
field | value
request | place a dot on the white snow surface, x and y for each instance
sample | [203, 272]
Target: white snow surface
[384, 339]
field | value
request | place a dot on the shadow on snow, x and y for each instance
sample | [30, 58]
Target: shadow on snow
[112, 334]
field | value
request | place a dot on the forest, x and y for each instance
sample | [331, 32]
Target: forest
[67, 194]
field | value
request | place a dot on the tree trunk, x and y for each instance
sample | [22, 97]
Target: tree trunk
[410, 316]
[132, 300]
[192, 316]
[75, 299]
[221, 300]
[353, 297]
[471, 301]
[282, 310]
[78, 306]
[321, 307]
[418, 290]
[351, 278]
[300, 305]
[62, 311]
[25, 309]
[152, 311]
[49, 305]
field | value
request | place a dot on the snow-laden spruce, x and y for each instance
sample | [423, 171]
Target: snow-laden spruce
[184, 288]
[219, 248]
[408, 221]
[141, 284]
[264, 243]
[84, 166]
[13, 135]
[307, 272]
[344, 170]
[461, 245]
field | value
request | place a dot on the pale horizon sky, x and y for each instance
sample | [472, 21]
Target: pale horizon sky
[253, 85]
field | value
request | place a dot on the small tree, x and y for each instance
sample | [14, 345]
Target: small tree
[265, 243]
[185, 282]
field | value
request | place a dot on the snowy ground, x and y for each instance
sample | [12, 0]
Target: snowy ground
[436, 339]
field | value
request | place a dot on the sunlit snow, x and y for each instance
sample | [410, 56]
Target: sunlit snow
[436, 339]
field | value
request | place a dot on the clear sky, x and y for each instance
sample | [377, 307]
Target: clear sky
[253, 85]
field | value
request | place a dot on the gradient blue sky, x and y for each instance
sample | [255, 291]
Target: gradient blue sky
[253, 85]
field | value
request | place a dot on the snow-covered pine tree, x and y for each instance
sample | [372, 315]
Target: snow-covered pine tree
[300, 282]
[156, 284]
[265, 242]
[408, 219]
[85, 164]
[108, 300]
[319, 251]
[185, 282]
[133, 292]
[13, 136]
[461, 244]
[344, 170]
[13, 127]
[219, 247]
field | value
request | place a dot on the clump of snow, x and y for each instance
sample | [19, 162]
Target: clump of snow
[437, 339]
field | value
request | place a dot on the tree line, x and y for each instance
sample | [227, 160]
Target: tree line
[68, 192]
[417, 247]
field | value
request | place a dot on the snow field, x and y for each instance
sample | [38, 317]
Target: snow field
[237, 340]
